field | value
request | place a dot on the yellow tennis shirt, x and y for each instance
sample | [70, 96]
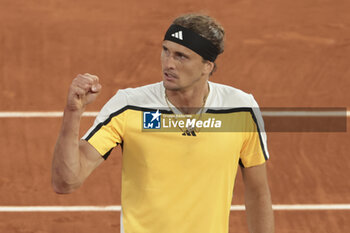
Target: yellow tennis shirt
[175, 183]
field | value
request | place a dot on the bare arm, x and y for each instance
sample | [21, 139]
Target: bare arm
[258, 200]
[75, 159]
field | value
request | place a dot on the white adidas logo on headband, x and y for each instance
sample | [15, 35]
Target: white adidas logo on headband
[177, 35]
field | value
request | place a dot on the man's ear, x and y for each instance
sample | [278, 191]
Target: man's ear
[208, 67]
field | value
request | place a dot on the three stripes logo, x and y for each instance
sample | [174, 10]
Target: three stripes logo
[189, 132]
[177, 35]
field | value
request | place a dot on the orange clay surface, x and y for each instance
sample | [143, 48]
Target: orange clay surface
[287, 53]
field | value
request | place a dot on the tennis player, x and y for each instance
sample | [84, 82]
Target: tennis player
[179, 180]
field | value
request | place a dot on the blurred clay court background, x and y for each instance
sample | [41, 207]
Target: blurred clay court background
[287, 53]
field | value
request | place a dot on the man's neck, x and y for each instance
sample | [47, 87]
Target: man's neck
[191, 100]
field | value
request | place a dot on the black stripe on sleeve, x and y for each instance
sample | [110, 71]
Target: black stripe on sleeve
[105, 156]
[114, 114]
[241, 163]
[120, 111]
[259, 132]
[243, 109]
[229, 110]
[99, 126]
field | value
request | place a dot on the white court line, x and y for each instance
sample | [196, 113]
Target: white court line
[264, 113]
[59, 208]
[40, 114]
[301, 207]
[117, 208]
[306, 113]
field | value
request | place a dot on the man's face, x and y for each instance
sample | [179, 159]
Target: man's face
[182, 68]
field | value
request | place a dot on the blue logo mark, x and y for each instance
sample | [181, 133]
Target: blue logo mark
[151, 120]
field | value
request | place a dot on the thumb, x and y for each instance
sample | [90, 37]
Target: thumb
[96, 88]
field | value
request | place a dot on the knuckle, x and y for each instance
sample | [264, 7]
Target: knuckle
[95, 77]
[80, 76]
[83, 76]
[76, 79]
[90, 78]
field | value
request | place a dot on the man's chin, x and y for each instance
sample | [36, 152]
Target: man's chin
[170, 85]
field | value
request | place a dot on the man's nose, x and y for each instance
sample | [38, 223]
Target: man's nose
[169, 62]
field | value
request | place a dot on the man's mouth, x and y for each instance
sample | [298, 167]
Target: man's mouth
[169, 75]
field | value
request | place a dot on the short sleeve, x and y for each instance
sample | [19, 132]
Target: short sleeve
[254, 149]
[108, 129]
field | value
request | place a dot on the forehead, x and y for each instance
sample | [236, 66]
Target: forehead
[175, 47]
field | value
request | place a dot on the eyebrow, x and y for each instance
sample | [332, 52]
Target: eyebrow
[177, 52]
[181, 54]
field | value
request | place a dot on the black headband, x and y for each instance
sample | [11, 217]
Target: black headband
[193, 41]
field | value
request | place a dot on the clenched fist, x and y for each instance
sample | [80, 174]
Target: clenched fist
[83, 90]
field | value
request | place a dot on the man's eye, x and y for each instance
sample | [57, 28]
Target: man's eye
[182, 56]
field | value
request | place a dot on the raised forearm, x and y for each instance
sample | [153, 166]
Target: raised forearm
[69, 165]
[66, 159]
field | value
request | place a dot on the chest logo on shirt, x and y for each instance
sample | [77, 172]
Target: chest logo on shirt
[187, 124]
[152, 120]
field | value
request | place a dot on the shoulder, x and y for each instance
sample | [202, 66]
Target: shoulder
[144, 96]
[227, 90]
[228, 96]
[143, 91]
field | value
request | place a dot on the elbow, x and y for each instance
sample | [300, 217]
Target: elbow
[63, 188]
[258, 199]
[63, 184]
